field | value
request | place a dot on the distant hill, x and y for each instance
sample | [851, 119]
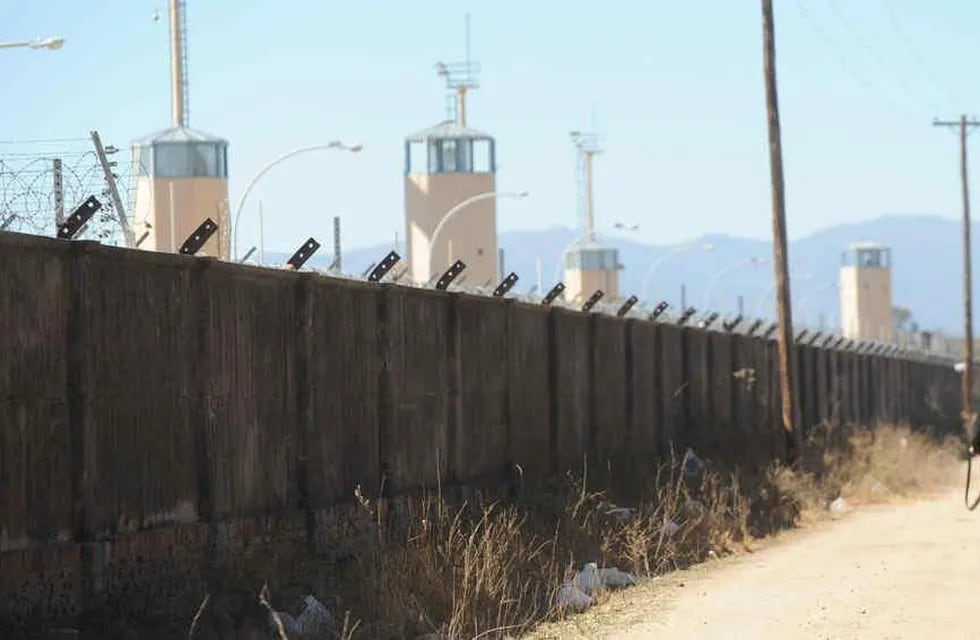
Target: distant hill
[925, 252]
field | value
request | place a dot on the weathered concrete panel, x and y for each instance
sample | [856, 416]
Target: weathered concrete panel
[674, 389]
[725, 433]
[345, 363]
[481, 442]
[823, 403]
[610, 428]
[138, 320]
[697, 349]
[416, 439]
[646, 391]
[745, 393]
[529, 390]
[249, 416]
[574, 396]
[35, 442]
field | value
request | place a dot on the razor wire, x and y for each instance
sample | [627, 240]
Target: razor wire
[30, 201]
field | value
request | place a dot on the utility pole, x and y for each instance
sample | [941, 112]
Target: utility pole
[967, 388]
[779, 249]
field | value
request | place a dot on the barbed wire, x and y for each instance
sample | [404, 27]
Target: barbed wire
[29, 199]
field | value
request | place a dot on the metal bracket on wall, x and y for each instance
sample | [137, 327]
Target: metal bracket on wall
[801, 335]
[554, 293]
[709, 320]
[826, 342]
[658, 310]
[78, 217]
[383, 267]
[771, 330]
[594, 298]
[730, 325]
[505, 285]
[813, 340]
[623, 310]
[684, 317]
[451, 273]
[755, 327]
[196, 240]
[303, 254]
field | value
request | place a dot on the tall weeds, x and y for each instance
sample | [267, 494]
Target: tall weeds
[483, 569]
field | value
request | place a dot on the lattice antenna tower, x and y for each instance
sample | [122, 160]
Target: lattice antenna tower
[587, 146]
[460, 78]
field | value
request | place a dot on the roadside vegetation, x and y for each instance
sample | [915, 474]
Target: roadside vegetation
[493, 570]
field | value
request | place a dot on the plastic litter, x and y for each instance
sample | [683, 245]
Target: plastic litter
[313, 622]
[838, 506]
[592, 579]
[571, 597]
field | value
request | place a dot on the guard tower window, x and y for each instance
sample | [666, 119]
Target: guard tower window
[867, 258]
[182, 160]
[592, 259]
[449, 155]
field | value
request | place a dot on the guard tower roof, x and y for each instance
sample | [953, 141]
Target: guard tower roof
[448, 129]
[178, 135]
[865, 245]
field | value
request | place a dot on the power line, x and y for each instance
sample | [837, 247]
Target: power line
[898, 107]
[903, 35]
[871, 51]
[44, 141]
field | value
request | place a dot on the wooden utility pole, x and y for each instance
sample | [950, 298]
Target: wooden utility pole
[779, 249]
[967, 382]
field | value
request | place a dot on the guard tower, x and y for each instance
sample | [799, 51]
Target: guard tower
[181, 173]
[588, 264]
[450, 174]
[866, 293]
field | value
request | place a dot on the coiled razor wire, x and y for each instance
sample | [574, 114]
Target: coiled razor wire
[28, 197]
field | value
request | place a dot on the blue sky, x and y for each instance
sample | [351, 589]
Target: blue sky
[676, 87]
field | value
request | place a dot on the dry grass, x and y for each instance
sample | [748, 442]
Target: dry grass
[488, 570]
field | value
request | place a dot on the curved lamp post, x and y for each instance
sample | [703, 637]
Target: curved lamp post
[459, 206]
[746, 262]
[802, 302]
[769, 292]
[335, 144]
[670, 254]
[50, 44]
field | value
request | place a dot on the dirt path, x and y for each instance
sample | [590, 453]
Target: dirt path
[896, 571]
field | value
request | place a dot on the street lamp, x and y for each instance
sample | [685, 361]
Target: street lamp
[459, 206]
[802, 302]
[335, 144]
[670, 254]
[747, 262]
[769, 292]
[50, 44]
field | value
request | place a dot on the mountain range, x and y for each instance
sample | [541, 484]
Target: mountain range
[925, 251]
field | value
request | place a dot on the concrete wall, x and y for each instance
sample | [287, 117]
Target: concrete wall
[156, 409]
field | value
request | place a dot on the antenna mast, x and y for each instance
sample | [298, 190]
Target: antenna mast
[587, 144]
[461, 77]
[179, 106]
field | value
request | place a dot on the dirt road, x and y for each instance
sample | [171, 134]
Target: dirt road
[896, 571]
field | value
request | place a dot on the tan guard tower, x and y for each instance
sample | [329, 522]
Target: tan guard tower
[589, 266]
[866, 293]
[181, 174]
[450, 169]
